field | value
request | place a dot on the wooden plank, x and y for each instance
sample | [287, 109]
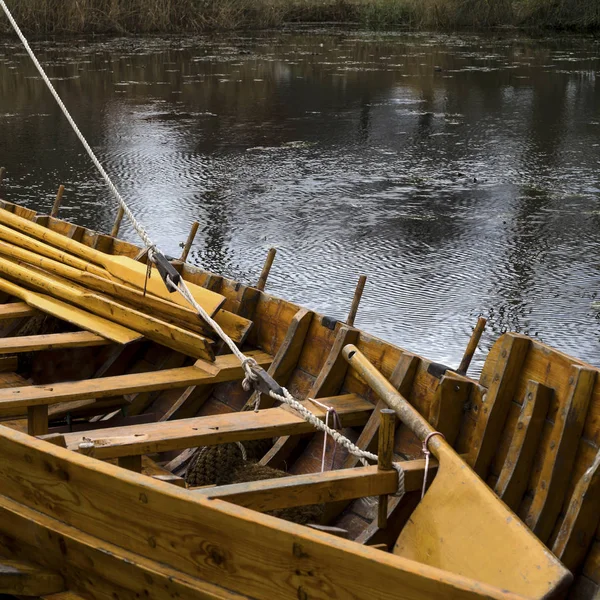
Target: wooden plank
[287, 355]
[125, 514]
[78, 271]
[77, 316]
[448, 406]
[225, 368]
[558, 461]
[496, 402]
[327, 383]
[576, 532]
[124, 268]
[53, 341]
[512, 482]
[16, 310]
[37, 420]
[19, 577]
[315, 488]
[160, 331]
[214, 429]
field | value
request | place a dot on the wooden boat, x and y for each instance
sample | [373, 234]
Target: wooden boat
[99, 421]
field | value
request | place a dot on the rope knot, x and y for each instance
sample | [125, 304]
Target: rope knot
[248, 365]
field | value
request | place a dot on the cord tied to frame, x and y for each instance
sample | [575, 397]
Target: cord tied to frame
[427, 454]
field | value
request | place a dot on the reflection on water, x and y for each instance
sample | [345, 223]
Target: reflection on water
[459, 173]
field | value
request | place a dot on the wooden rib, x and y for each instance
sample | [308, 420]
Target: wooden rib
[19, 577]
[402, 379]
[315, 488]
[327, 383]
[287, 356]
[152, 469]
[16, 310]
[215, 429]
[75, 270]
[225, 368]
[447, 409]
[579, 525]
[106, 513]
[155, 329]
[497, 401]
[52, 341]
[560, 455]
[512, 482]
[385, 456]
[37, 420]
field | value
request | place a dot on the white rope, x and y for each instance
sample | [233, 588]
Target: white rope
[248, 363]
[340, 439]
[139, 229]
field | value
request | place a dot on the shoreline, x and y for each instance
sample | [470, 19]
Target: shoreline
[133, 17]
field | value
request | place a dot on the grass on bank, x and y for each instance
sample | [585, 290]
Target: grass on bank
[144, 16]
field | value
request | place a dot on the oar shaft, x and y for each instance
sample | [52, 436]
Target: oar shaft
[386, 391]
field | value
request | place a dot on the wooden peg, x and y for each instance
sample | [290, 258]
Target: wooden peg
[262, 280]
[387, 428]
[57, 201]
[356, 300]
[471, 346]
[2, 173]
[190, 241]
[117, 225]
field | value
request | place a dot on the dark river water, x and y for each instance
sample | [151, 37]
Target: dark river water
[461, 174]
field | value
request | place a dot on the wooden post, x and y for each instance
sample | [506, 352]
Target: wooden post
[262, 280]
[471, 346]
[2, 173]
[387, 427]
[356, 300]
[117, 224]
[57, 201]
[190, 241]
[37, 419]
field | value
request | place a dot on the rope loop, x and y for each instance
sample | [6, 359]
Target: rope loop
[248, 365]
[401, 490]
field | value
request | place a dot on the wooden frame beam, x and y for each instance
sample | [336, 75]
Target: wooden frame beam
[215, 429]
[225, 368]
[52, 341]
[315, 488]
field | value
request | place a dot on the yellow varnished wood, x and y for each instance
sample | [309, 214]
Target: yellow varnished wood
[314, 488]
[51, 341]
[160, 331]
[122, 267]
[215, 429]
[512, 482]
[460, 525]
[556, 468]
[187, 542]
[225, 368]
[49, 305]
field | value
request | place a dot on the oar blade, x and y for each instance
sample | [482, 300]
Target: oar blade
[76, 316]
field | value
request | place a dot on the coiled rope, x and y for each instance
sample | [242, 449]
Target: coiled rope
[249, 365]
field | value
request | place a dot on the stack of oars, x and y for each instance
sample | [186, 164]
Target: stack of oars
[108, 295]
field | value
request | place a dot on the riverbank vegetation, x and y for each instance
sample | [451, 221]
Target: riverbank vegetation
[144, 16]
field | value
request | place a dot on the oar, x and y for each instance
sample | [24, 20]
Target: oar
[461, 525]
[164, 333]
[149, 303]
[233, 325]
[76, 316]
[124, 268]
